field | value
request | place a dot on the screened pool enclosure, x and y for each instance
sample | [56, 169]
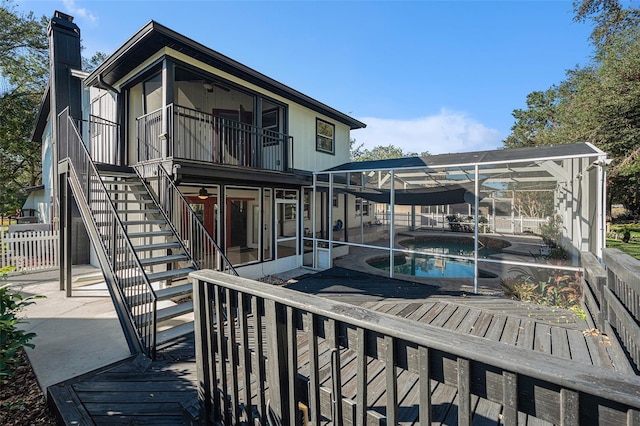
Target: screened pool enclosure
[541, 205]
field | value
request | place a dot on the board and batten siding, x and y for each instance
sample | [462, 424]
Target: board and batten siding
[301, 120]
[302, 126]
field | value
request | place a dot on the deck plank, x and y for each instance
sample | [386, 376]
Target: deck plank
[542, 338]
[579, 348]
[511, 330]
[560, 343]
[158, 393]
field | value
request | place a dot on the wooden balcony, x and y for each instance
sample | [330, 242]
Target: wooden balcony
[184, 133]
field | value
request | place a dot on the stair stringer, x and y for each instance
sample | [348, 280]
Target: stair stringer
[133, 338]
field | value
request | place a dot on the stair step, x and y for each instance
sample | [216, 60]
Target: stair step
[158, 246]
[107, 169]
[156, 260]
[174, 291]
[167, 293]
[165, 314]
[139, 211]
[126, 185]
[150, 234]
[144, 222]
[182, 330]
[159, 276]
[133, 200]
[164, 233]
[126, 191]
[127, 211]
[164, 259]
[170, 274]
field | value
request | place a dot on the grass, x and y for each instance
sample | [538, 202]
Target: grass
[632, 248]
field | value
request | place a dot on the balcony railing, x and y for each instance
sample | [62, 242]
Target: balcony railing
[194, 135]
[101, 138]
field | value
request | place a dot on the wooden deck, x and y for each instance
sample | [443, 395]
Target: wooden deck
[165, 392]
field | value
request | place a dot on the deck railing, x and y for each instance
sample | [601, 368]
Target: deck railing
[194, 135]
[201, 246]
[614, 299]
[278, 348]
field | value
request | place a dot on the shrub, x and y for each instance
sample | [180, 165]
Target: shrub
[551, 232]
[11, 337]
[544, 287]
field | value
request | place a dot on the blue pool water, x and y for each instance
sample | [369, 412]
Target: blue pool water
[423, 265]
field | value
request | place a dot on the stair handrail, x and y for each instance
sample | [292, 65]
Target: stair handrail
[145, 332]
[201, 258]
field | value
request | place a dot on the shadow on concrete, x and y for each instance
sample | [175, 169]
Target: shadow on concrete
[353, 287]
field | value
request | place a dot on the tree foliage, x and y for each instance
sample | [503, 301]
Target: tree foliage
[597, 103]
[380, 152]
[608, 16]
[23, 75]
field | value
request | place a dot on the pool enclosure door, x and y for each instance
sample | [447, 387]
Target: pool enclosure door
[287, 247]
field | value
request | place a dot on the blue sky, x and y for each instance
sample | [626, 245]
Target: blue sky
[424, 75]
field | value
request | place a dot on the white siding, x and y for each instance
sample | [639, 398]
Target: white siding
[301, 120]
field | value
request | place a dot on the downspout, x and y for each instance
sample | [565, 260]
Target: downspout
[106, 85]
[119, 154]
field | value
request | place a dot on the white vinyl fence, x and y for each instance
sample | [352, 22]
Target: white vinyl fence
[28, 251]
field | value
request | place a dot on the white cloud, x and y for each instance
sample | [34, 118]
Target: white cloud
[79, 12]
[446, 132]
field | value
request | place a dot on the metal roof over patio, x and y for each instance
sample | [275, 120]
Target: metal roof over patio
[573, 177]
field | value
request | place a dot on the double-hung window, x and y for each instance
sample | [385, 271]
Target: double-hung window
[325, 136]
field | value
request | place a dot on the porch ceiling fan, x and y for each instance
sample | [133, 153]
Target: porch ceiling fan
[202, 193]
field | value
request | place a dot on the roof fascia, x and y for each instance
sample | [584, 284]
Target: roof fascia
[116, 56]
[428, 167]
[241, 71]
[42, 116]
[149, 63]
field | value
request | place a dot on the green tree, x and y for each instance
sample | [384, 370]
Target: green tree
[380, 152]
[608, 17]
[597, 103]
[23, 75]
[535, 122]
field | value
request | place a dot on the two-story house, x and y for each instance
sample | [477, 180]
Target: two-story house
[178, 157]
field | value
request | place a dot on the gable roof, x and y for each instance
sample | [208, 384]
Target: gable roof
[154, 36]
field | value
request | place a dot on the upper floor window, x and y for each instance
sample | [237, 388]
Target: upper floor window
[325, 136]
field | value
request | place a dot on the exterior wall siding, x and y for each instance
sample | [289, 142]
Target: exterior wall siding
[301, 120]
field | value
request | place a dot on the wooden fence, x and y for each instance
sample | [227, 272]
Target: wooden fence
[613, 299]
[28, 251]
[279, 350]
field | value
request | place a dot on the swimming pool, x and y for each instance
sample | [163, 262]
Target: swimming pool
[424, 265]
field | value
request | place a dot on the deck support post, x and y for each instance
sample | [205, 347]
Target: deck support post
[61, 224]
[67, 234]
